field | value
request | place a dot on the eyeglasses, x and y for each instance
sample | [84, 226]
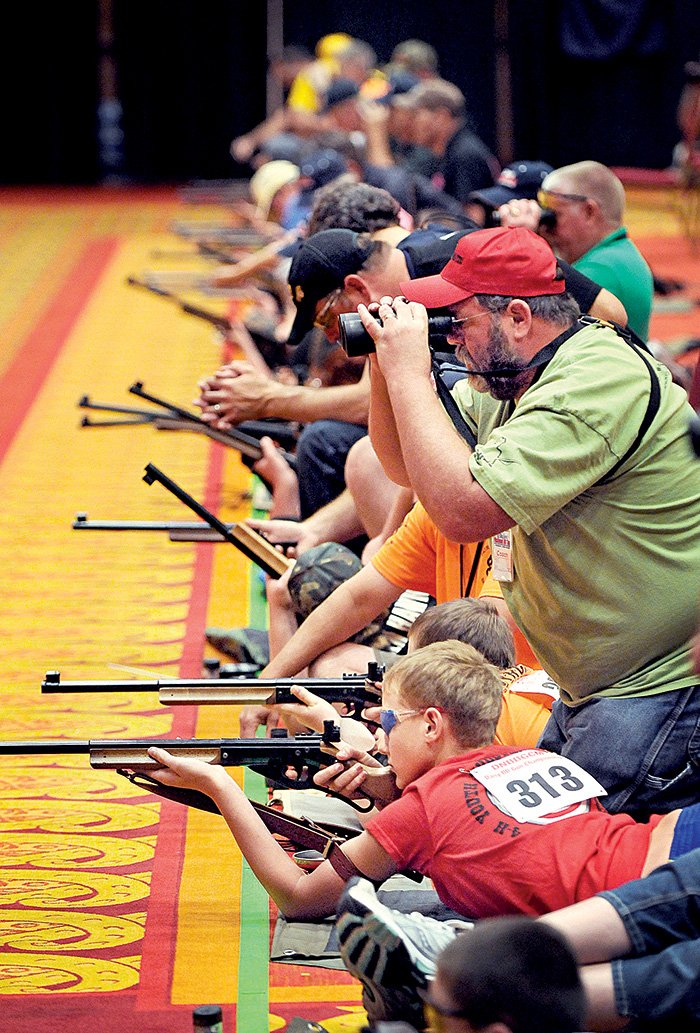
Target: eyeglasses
[388, 719]
[549, 198]
[324, 318]
[470, 319]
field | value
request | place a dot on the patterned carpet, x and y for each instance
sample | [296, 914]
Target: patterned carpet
[118, 911]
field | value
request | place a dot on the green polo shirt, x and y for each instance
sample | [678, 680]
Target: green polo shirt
[607, 576]
[616, 264]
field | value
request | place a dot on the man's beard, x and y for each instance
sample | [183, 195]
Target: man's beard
[500, 357]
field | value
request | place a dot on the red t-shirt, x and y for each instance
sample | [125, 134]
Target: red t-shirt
[484, 863]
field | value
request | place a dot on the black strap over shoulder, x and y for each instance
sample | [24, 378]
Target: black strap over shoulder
[451, 407]
[638, 345]
[541, 359]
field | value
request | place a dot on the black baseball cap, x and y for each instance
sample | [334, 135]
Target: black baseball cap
[521, 179]
[320, 266]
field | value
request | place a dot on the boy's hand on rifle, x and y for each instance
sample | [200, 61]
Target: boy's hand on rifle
[350, 778]
[310, 711]
[185, 773]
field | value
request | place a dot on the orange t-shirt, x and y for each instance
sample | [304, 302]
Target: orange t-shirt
[527, 705]
[418, 556]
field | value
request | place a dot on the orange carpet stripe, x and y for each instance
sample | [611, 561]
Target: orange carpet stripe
[22, 380]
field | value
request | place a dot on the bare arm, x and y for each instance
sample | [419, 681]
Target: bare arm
[346, 610]
[296, 894]
[337, 521]
[436, 458]
[246, 395]
[266, 257]
[607, 306]
[382, 428]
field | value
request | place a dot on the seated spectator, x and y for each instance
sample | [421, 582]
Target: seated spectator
[305, 80]
[416, 57]
[272, 187]
[346, 204]
[588, 202]
[411, 189]
[439, 123]
[520, 179]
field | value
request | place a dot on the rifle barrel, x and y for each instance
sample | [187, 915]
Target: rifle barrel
[81, 523]
[275, 753]
[52, 684]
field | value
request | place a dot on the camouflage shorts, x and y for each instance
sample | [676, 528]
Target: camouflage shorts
[317, 573]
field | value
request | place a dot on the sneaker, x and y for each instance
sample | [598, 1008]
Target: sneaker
[393, 955]
[244, 645]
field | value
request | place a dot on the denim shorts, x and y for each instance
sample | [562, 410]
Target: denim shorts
[661, 915]
[645, 750]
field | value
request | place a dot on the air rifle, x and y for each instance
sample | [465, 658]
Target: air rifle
[273, 758]
[175, 417]
[246, 540]
[178, 530]
[249, 542]
[354, 691]
[222, 323]
[238, 236]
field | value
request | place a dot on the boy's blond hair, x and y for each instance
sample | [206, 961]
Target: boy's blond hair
[456, 678]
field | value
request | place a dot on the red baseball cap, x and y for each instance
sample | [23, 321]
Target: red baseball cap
[514, 262]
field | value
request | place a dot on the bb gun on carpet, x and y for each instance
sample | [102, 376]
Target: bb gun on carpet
[353, 691]
[225, 192]
[246, 540]
[174, 417]
[233, 236]
[177, 530]
[287, 761]
[263, 345]
[222, 323]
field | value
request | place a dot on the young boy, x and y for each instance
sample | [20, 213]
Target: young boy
[447, 824]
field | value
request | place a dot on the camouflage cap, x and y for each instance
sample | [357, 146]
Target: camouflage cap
[317, 573]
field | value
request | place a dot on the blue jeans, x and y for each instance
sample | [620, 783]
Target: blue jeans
[660, 979]
[645, 750]
[322, 449]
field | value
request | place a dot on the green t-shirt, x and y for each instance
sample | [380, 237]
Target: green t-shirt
[616, 264]
[607, 576]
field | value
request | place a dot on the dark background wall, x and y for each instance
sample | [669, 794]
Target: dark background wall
[190, 76]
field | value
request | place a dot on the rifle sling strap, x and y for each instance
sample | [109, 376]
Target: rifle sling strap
[299, 831]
